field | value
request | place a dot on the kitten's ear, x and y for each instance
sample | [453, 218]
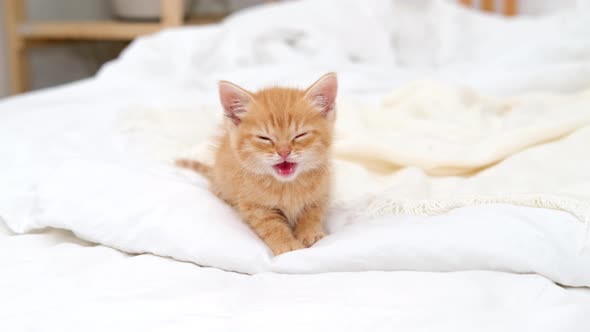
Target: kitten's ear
[234, 100]
[322, 94]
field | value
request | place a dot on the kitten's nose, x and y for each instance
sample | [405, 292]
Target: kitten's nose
[284, 151]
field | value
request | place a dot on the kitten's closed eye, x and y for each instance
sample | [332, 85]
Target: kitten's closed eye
[300, 136]
[264, 138]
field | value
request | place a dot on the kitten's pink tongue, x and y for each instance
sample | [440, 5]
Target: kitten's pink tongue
[285, 168]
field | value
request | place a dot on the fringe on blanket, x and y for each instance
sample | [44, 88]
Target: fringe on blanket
[375, 207]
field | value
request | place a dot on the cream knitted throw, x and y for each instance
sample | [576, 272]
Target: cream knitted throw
[437, 148]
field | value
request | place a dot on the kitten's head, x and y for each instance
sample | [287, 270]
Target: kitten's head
[278, 131]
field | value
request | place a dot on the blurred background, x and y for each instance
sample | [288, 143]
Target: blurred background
[57, 60]
[66, 60]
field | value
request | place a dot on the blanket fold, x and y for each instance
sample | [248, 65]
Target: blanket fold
[435, 178]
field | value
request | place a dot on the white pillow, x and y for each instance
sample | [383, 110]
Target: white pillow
[140, 211]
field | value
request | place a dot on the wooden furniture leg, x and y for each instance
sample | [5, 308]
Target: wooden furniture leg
[488, 5]
[172, 12]
[510, 7]
[17, 62]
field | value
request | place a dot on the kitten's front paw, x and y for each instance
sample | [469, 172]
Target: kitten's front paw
[281, 248]
[309, 236]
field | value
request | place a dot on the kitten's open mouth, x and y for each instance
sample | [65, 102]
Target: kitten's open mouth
[285, 168]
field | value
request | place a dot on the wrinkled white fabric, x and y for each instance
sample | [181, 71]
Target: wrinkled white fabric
[93, 157]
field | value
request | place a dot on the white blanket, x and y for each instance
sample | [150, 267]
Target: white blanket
[150, 207]
[58, 283]
[102, 169]
[94, 157]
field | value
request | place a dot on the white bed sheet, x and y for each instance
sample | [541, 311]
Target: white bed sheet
[53, 281]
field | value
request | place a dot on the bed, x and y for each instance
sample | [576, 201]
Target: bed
[461, 198]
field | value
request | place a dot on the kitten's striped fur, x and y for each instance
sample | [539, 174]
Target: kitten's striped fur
[273, 160]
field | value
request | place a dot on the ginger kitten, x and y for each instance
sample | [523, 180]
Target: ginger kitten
[273, 160]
